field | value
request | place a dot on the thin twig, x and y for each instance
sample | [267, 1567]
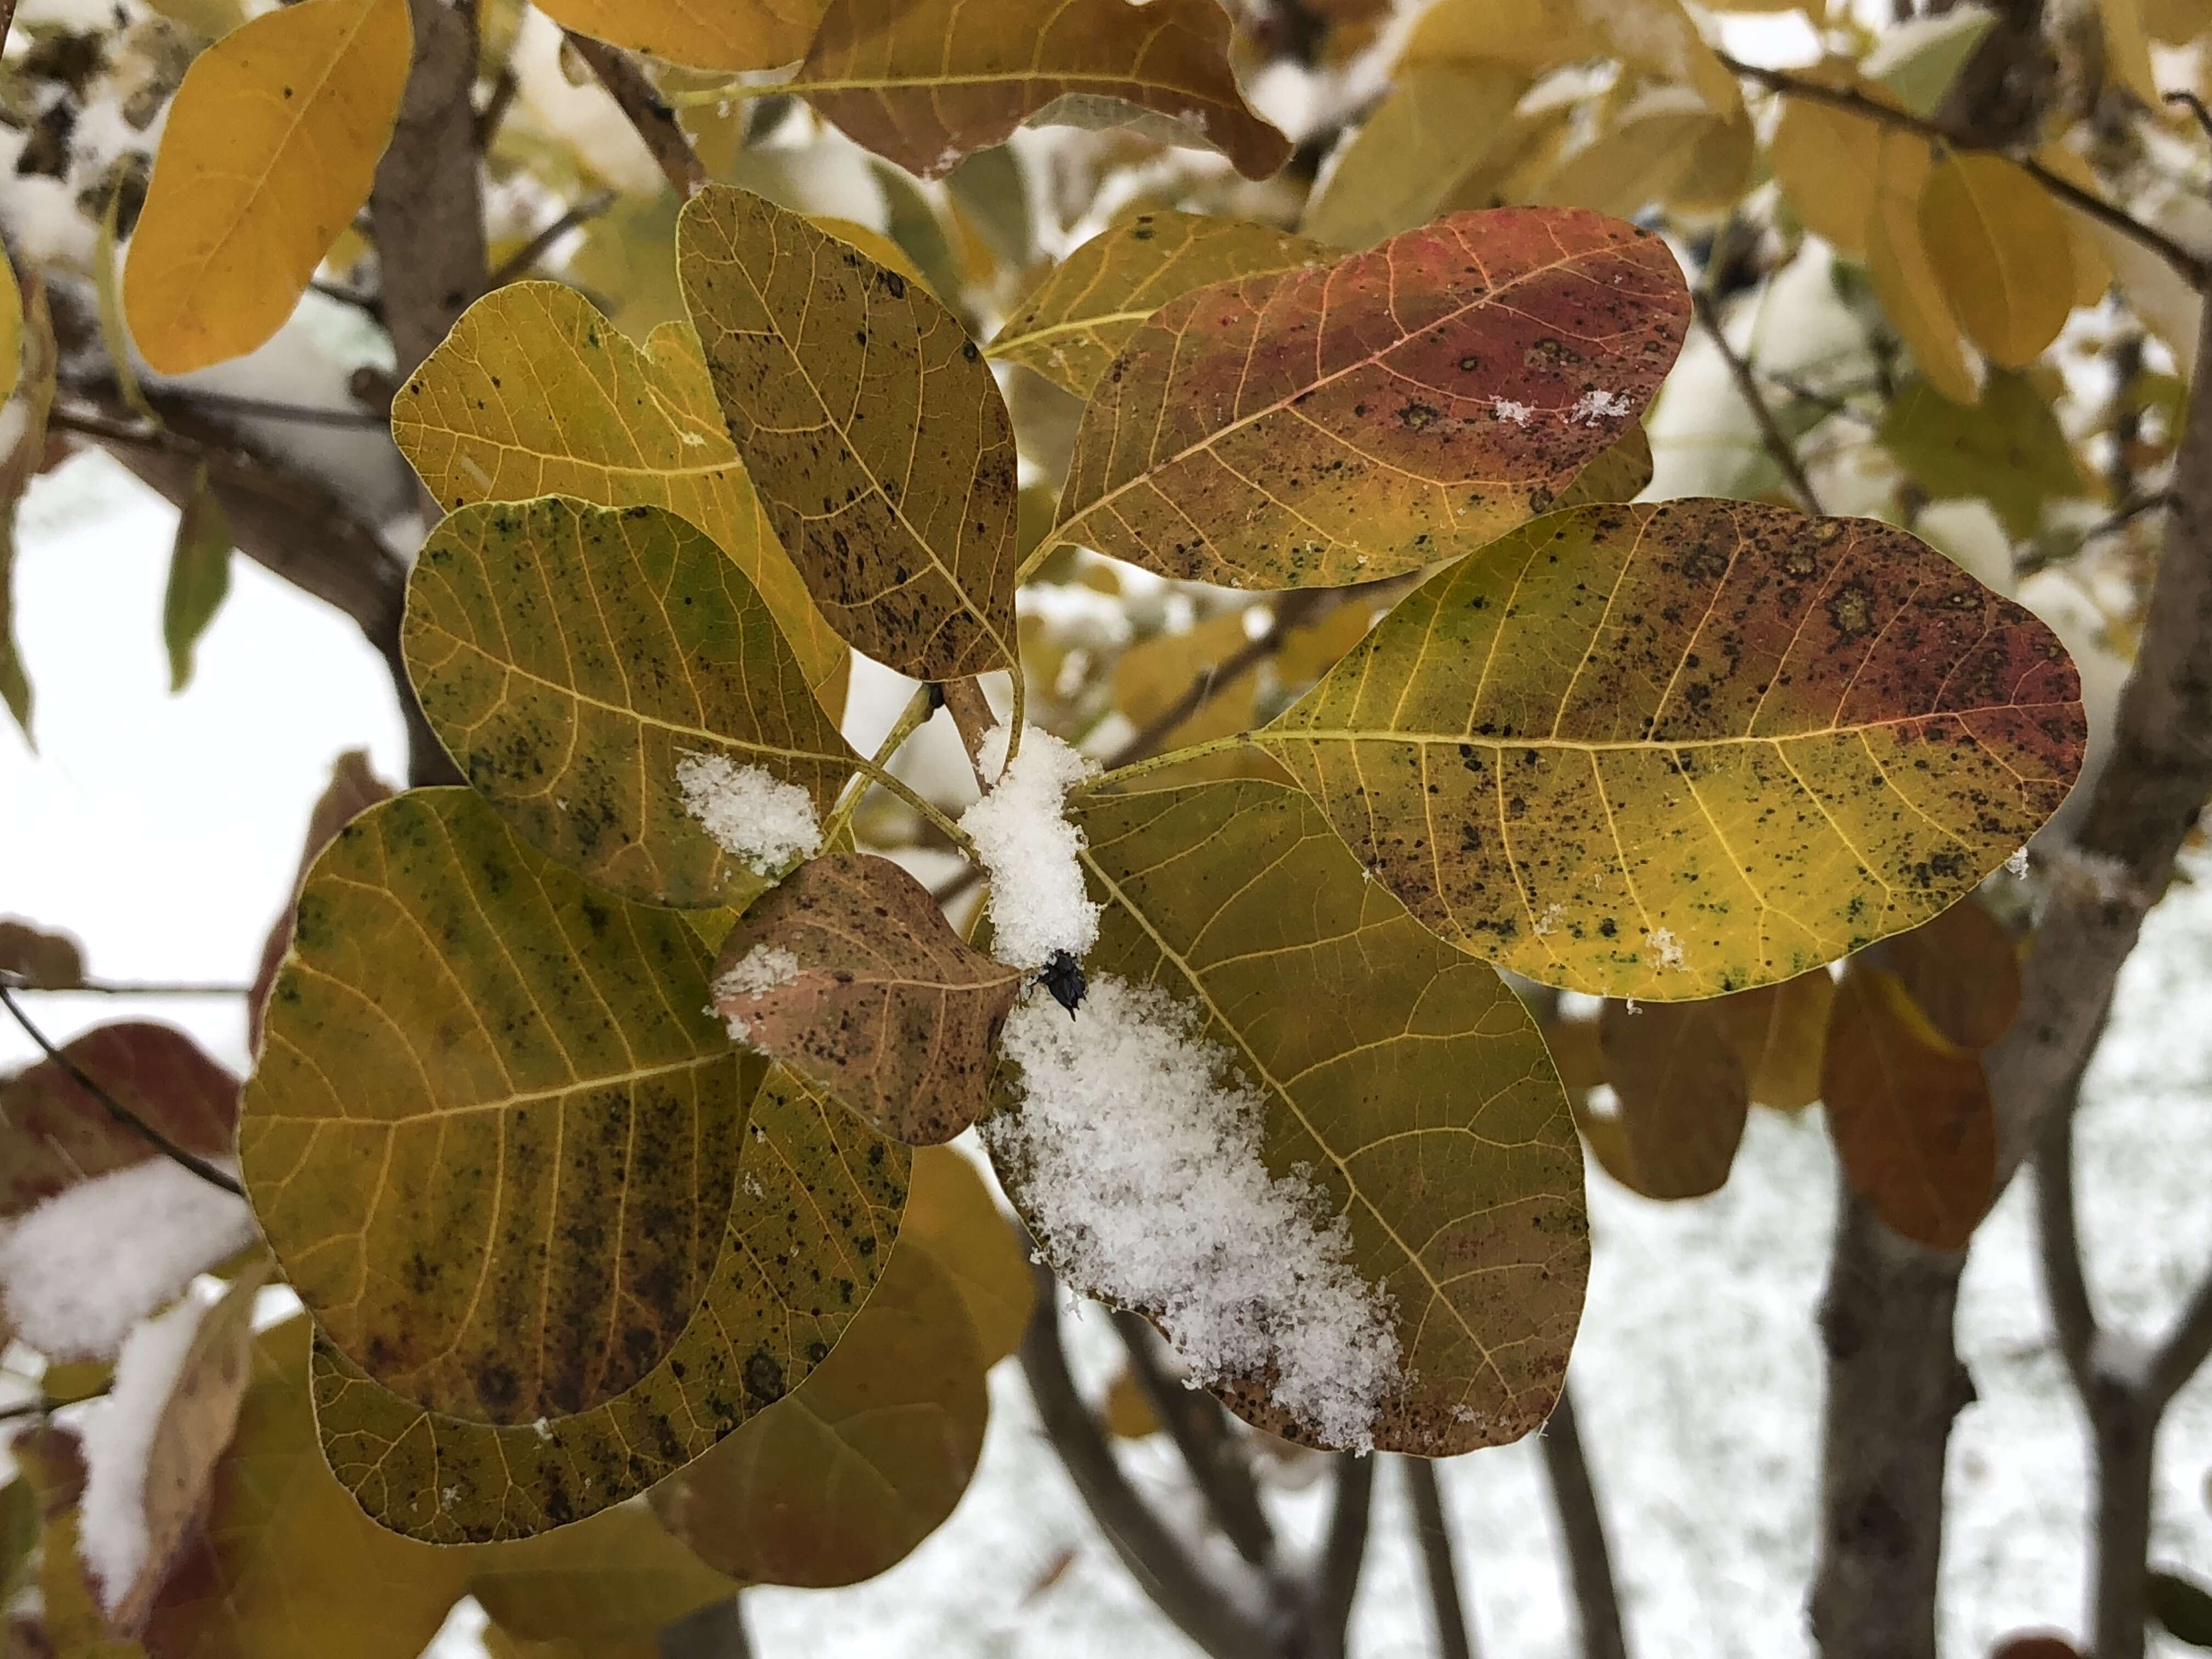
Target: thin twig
[2176, 1359]
[1194, 1421]
[1589, 1561]
[535, 249]
[115, 1109]
[368, 304]
[1747, 384]
[2073, 1319]
[108, 988]
[1454, 1640]
[1796, 86]
[647, 111]
[495, 107]
[1343, 1551]
[266, 409]
[919, 707]
[2196, 108]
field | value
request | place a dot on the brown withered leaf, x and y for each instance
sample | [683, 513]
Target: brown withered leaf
[1962, 971]
[1682, 1096]
[1779, 1032]
[353, 789]
[849, 973]
[924, 82]
[1909, 1111]
[827, 364]
[49, 960]
[1346, 422]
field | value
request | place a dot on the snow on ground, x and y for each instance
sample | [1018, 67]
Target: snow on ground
[165, 832]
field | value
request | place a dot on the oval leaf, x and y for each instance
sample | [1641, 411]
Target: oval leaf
[1439, 123]
[571, 658]
[1683, 1098]
[270, 146]
[728, 34]
[1962, 971]
[535, 394]
[1999, 245]
[1903, 271]
[511, 1210]
[815, 1213]
[1077, 320]
[1826, 161]
[849, 973]
[1910, 1115]
[924, 82]
[840, 1480]
[1406, 1078]
[619, 1573]
[1779, 1033]
[950, 1213]
[2179, 1606]
[827, 364]
[43, 959]
[1340, 423]
[1666, 751]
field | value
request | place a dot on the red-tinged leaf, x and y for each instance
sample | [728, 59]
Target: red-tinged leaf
[352, 790]
[1909, 1112]
[54, 1132]
[924, 82]
[1962, 971]
[1404, 405]
[49, 961]
[849, 974]
[1682, 1096]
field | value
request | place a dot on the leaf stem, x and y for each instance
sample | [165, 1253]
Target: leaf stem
[1138, 768]
[921, 804]
[121, 1113]
[911, 719]
[1747, 384]
[646, 111]
[2188, 264]
[533, 250]
[108, 988]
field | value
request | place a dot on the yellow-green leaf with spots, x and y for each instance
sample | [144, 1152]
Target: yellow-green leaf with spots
[1398, 1078]
[1669, 751]
[579, 663]
[811, 1222]
[535, 394]
[492, 1137]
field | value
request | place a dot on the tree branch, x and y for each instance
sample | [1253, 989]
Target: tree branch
[1582, 1526]
[1434, 1535]
[1194, 1421]
[647, 112]
[2058, 1246]
[115, 1109]
[1344, 1550]
[519, 262]
[1770, 431]
[2191, 265]
[426, 211]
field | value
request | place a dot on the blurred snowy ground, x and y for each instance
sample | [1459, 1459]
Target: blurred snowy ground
[164, 832]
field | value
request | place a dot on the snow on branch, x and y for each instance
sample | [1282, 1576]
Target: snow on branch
[1139, 1149]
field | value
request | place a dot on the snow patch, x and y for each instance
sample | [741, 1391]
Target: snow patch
[119, 1436]
[757, 819]
[1595, 406]
[1663, 949]
[1030, 849]
[2016, 866]
[1507, 410]
[1139, 1148]
[83, 1268]
[760, 970]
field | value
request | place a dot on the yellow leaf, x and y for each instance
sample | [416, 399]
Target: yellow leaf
[1997, 244]
[2176, 22]
[534, 394]
[1618, 474]
[723, 35]
[1812, 735]
[272, 143]
[2092, 271]
[1440, 121]
[1636, 159]
[1904, 275]
[618, 1573]
[950, 1211]
[2127, 51]
[1826, 161]
[1151, 676]
[1779, 1032]
[11, 329]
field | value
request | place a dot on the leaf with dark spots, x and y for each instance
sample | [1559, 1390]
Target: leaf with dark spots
[908, 547]
[925, 82]
[352, 790]
[849, 973]
[1316, 427]
[1910, 1113]
[1727, 772]
[54, 1132]
[573, 656]
[811, 1219]
[458, 1092]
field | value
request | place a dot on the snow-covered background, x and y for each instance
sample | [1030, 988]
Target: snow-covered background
[164, 830]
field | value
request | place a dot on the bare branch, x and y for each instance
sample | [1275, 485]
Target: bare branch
[2059, 1244]
[1454, 1640]
[1770, 431]
[115, 1109]
[141, 988]
[1196, 1423]
[647, 112]
[1343, 1552]
[2177, 1358]
[426, 211]
[518, 262]
[1589, 1561]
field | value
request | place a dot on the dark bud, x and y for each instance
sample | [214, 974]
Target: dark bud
[936, 695]
[1062, 975]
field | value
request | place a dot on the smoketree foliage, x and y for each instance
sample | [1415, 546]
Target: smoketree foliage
[1457, 814]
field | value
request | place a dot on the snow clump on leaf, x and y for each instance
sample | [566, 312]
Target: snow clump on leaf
[1021, 832]
[758, 819]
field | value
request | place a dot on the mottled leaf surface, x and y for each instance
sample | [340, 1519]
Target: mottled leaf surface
[571, 657]
[535, 394]
[864, 1460]
[1406, 1076]
[812, 1221]
[1339, 423]
[849, 973]
[871, 427]
[353, 789]
[1670, 750]
[54, 1133]
[491, 1138]
[925, 82]
[950, 1213]
[1076, 321]
[1682, 1096]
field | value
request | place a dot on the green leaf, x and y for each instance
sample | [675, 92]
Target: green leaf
[535, 394]
[1405, 1078]
[571, 659]
[1447, 390]
[840, 1480]
[2007, 450]
[849, 973]
[2179, 1606]
[827, 365]
[812, 1221]
[1077, 320]
[1618, 474]
[1665, 751]
[200, 579]
[924, 82]
[491, 1136]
